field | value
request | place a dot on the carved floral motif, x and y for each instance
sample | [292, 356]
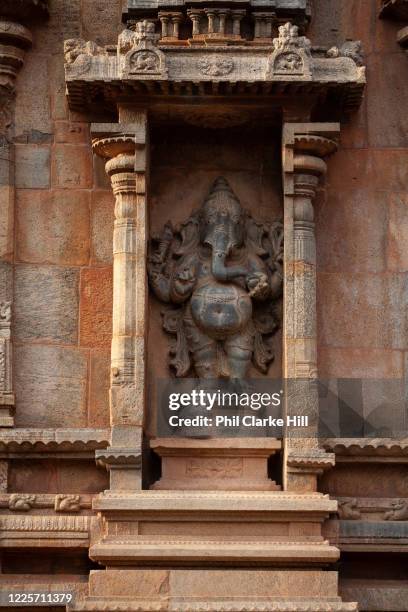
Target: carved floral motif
[215, 66]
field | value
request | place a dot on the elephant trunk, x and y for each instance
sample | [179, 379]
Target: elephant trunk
[221, 250]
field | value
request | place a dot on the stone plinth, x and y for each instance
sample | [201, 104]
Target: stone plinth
[161, 548]
[213, 590]
[215, 464]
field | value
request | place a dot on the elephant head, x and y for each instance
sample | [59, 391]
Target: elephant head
[222, 228]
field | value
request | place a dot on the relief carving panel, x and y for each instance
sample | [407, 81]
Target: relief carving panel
[223, 271]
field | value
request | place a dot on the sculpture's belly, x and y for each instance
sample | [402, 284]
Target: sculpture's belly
[221, 310]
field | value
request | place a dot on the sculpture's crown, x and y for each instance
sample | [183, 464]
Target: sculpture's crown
[222, 197]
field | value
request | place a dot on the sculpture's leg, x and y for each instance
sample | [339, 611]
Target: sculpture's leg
[239, 350]
[203, 348]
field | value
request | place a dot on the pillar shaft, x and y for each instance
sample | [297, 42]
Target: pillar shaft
[124, 146]
[305, 147]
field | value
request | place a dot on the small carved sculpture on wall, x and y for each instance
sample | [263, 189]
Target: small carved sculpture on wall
[21, 502]
[399, 511]
[292, 53]
[348, 510]
[78, 54]
[67, 503]
[224, 271]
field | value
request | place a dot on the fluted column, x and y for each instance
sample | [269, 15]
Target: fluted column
[124, 147]
[305, 148]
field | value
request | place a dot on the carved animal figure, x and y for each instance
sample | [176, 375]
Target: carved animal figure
[348, 510]
[67, 503]
[20, 502]
[399, 511]
[224, 270]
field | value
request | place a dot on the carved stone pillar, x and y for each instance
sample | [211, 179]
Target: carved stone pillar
[124, 146]
[305, 147]
[15, 40]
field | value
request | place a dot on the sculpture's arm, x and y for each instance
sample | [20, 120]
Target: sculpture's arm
[160, 285]
[257, 279]
[184, 280]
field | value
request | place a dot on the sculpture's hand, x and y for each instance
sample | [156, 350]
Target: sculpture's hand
[258, 285]
[184, 281]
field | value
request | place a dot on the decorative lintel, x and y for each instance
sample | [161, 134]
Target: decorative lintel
[141, 66]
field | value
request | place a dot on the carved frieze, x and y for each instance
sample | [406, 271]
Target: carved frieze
[222, 270]
[149, 63]
[215, 66]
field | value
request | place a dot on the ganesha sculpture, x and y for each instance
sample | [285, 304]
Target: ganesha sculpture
[222, 271]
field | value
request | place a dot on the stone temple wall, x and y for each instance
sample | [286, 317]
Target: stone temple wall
[56, 268]
[63, 235]
[63, 256]
[362, 282]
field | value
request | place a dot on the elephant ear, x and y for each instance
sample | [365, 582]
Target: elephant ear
[255, 235]
[274, 243]
[190, 236]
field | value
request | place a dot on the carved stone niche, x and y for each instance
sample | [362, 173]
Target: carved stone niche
[222, 273]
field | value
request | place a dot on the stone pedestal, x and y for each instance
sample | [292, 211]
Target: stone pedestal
[161, 548]
[215, 464]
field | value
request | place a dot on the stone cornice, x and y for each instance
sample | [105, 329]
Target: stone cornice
[368, 449]
[28, 440]
[138, 68]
